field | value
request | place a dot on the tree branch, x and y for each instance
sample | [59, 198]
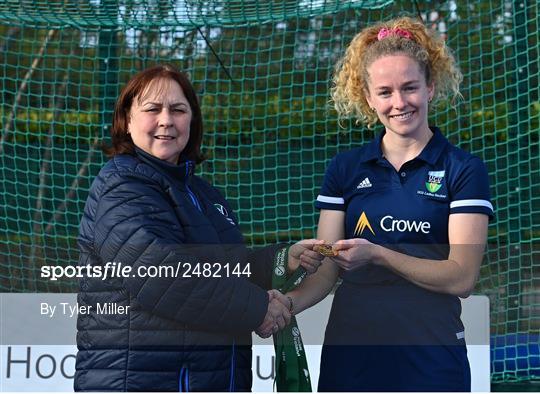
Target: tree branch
[56, 103]
[22, 88]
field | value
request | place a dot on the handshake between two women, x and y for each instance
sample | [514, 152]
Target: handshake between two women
[302, 254]
[309, 254]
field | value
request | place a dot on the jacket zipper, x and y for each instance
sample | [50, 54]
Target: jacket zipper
[233, 368]
[193, 198]
[190, 193]
[183, 380]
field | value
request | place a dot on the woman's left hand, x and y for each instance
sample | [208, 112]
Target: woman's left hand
[353, 253]
[302, 254]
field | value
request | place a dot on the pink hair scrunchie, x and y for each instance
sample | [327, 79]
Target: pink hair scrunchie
[384, 32]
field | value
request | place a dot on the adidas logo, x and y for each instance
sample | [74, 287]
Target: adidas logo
[365, 183]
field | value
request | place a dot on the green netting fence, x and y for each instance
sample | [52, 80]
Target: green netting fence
[263, 70]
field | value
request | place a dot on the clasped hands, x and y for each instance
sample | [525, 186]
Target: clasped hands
[350, 254]
[278, 315]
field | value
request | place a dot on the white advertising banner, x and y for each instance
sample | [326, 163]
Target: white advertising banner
[37, 343]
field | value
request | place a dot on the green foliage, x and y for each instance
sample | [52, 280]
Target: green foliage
[35, 126]
[263, 71]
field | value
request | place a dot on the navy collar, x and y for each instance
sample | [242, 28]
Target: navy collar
[429, 154]
[182, 171]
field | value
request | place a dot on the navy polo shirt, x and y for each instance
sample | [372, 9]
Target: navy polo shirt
[405, 210]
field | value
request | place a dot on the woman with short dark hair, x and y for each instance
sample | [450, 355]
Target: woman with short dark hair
[173, 295]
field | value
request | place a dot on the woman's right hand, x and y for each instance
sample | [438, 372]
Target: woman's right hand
[277, 316]
[353, 253]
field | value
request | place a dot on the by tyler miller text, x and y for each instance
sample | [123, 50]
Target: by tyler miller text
[72, 310]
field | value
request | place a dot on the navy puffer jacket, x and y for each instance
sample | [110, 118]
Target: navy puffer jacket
[178, 334]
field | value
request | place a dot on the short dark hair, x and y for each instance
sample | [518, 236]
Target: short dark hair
[121, 140]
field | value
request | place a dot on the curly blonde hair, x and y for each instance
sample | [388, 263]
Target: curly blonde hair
[350, 82]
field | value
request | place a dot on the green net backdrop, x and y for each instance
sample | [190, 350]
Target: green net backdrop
[262, 69]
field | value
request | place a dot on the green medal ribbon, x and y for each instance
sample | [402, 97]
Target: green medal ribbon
[292, 373]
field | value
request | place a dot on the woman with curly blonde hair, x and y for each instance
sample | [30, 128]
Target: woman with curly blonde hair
[407, 216]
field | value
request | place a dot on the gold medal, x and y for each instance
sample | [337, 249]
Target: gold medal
[325, 250]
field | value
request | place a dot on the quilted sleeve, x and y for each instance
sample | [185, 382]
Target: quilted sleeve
[135, 225]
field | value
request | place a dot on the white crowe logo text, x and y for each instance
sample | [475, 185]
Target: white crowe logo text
[389, 224]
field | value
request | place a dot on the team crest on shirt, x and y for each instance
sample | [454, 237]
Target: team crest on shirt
[434, 182]
[224, 212]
